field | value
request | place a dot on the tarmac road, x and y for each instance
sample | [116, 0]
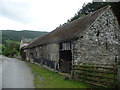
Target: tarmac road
[16, 74]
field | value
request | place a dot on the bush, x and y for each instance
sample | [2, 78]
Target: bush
[11, 48]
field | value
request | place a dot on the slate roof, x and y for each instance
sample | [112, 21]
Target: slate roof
[69, 30]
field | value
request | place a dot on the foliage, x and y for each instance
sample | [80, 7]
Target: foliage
[0, 49]
[11, 40]
[11, 48]
[91, 7]
[44, 78]
[17, 35]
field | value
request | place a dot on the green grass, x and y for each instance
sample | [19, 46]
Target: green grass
[44, 78]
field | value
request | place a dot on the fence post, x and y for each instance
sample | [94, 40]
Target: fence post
[118, 75]
[72, 71]
[114, 75]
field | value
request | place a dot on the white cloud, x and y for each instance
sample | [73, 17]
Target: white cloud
[6, 23]
[43, 15]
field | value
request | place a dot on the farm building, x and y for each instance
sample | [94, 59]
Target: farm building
[92, 39]
[24, 43]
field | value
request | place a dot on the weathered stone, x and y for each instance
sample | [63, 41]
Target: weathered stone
[100, 42]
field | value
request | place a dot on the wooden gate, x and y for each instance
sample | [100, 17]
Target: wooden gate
[100, 76]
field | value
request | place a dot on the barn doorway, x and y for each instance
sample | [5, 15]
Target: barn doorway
[65, 61]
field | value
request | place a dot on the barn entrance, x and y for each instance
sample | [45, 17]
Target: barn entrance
[65, 61]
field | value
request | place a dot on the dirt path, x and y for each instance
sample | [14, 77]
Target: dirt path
[16, 74]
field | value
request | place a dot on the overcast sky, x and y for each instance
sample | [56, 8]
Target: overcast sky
[39, 15]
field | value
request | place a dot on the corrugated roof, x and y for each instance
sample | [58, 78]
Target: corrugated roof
[69, 30]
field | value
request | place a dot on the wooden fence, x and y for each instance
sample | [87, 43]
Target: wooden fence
[100, 76]
[118, 75]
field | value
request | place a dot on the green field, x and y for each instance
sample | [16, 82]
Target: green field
[44, 78]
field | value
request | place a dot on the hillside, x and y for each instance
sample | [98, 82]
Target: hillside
[93, 6]
[16, 35]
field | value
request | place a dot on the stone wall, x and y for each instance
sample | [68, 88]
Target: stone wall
[99, 43]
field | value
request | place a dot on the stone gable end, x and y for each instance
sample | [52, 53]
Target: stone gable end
[99, 43]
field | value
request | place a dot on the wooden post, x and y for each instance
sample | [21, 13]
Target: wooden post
[72, 71]
[114, 76]
[118, 75]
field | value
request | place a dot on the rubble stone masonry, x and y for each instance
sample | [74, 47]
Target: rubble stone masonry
[99, 44]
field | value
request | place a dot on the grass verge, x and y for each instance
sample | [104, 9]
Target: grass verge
[44, 78]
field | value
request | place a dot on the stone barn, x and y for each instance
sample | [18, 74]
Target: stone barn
[92, 39]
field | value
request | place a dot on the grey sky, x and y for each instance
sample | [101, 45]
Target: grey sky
[42, 15]
[18, 11]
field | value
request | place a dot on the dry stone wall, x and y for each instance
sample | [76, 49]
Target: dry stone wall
[99, 44]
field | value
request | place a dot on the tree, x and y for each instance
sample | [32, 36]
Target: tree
[91, 7]
[11, 48]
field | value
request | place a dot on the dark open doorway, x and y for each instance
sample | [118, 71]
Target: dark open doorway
[65, 61]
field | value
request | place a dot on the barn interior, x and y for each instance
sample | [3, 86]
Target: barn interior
[65, 58]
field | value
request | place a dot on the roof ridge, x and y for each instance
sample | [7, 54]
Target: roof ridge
[71, 29]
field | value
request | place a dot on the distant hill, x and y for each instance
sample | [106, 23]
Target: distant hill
[16, 35]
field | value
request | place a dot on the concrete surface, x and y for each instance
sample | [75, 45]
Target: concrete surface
[16, 74]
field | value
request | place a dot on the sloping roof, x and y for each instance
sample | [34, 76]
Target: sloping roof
[26, 40]
[69, 30]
